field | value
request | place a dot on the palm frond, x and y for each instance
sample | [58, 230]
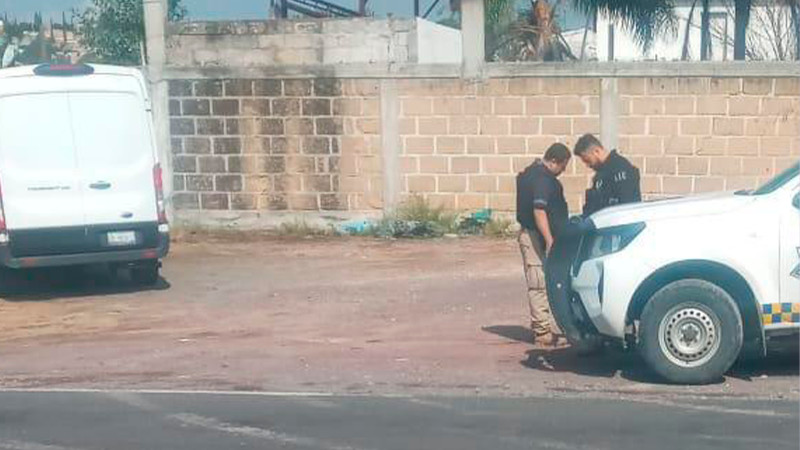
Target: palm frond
[645, 19]
[499, 11]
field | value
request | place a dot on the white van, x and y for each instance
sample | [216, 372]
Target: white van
[80, 181]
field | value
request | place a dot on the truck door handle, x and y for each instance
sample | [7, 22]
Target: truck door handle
[100, 185]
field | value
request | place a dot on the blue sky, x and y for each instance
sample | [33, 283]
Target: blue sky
[202, 9]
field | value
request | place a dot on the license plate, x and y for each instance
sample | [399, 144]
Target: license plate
[121, 238]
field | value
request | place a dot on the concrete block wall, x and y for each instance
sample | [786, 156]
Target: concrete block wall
[275, 145]
[268, 145]
[691, 135]
[464, 142]
[309, 42]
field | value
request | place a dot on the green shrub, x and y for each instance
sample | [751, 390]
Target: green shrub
[301, 228]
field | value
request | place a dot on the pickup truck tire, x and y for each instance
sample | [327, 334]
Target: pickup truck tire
[690, 332]
[145, 273]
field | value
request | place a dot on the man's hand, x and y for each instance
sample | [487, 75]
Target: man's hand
[543, 225]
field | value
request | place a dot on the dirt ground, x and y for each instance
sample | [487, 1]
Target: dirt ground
[341, 315]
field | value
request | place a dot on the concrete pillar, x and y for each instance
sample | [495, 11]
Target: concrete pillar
[155, 20]
[390, 145]
[609, 113]
[473, 49]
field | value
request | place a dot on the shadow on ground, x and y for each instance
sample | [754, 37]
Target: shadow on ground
[783, 359]
[65, 282]
[512, 332]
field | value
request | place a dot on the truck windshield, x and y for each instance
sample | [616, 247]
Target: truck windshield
[775, 183]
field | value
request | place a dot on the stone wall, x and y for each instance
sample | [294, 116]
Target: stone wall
[275, 145]
[315, 145]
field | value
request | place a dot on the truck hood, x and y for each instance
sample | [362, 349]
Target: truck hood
[698, 205]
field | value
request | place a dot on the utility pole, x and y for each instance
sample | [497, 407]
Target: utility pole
[64, 25]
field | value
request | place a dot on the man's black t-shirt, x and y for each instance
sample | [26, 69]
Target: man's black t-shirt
[616, 182]
[537, 188]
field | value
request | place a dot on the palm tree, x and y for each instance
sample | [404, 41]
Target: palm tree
[645, 19]
[686, 34]
[530, 36]
[499, 15]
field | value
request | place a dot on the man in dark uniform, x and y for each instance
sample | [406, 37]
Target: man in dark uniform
[542, 212]
[616, 180]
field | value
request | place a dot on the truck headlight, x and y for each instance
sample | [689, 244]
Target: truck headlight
[605, 241]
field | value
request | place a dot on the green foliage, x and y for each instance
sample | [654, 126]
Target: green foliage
[113, 30]
[499, 15]
[418, 219]
[417, 209]
[302, 229]
[646, 19]
[499, 228]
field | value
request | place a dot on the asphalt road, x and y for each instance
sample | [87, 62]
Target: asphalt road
[205, 421]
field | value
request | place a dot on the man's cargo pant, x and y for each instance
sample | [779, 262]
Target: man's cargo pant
[533, 259]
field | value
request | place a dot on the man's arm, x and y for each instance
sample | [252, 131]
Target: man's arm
[543, 225]
[626, 186]
[593, 202]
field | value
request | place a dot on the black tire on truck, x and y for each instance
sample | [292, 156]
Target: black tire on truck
[690, 332]
[146, 273]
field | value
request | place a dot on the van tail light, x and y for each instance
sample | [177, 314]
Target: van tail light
[3, 226]
[158, 182]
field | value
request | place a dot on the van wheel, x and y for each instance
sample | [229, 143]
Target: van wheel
[145, 273]
[691, 332]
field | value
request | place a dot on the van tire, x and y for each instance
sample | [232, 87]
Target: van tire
[691, 332]
[146, 273]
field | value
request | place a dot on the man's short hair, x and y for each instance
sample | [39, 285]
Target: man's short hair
[558, 153]
[586, 142]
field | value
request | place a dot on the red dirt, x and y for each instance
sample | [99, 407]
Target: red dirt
[340, 315]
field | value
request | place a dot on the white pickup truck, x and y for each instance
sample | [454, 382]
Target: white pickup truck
[690, 282]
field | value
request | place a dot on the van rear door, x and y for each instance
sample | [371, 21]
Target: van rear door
[40, 179]
[114, 149]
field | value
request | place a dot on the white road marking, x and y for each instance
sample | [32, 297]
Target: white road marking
[253, 432]
[548, 444]
[137, 401]
[132, 399]
[7, 444]
[711, 408]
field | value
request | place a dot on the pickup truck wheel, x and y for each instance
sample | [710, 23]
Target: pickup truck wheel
[691, 332]
[145, 273]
